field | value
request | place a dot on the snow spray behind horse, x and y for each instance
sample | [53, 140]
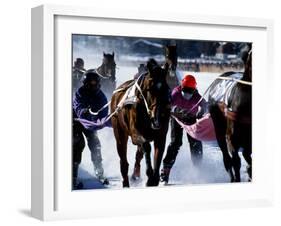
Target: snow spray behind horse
[107, 72]
[232, 116]
[144, 121]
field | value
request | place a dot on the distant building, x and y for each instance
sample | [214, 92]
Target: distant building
[143, 46]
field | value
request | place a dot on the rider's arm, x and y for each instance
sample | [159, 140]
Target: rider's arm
[80, 106]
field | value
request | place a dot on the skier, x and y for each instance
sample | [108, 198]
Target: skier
[88, 97]
[77, 74]
[187, 107]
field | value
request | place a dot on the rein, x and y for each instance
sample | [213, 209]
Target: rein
[222, 106]
[236, 80]
[121, 102]
[97, 112]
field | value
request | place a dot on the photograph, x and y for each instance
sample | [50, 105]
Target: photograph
[150, 112]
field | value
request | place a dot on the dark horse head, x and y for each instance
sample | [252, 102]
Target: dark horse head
[107, 73]
[240, 98]
[171, 58]
[171, 62]
[156, 93]
[108, 67]
[248, 67]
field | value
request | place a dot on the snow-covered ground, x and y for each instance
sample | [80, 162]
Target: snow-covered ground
[211, 169]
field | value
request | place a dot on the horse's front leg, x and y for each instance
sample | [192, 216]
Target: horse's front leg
[247, 152]
[226, 158]
[138, 158]
[247, 156]
[232, 139]
[159, 147]
[149, 170]
[121, 142]
[124, 165]
[236, 162]
[220, 124]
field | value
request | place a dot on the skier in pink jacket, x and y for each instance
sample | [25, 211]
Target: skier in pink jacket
[188, 105]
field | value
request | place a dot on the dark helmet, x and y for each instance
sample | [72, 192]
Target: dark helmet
[91, 75]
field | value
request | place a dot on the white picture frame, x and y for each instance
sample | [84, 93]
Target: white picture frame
[49, 199]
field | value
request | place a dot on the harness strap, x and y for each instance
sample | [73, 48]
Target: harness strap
[121, 102]
[236, 80]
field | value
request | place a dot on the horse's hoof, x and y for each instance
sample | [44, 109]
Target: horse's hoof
[150, 182]
[153, 181]
[136, 174]
[135, 178]
[126, 184]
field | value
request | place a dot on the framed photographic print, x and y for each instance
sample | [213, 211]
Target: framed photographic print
[142, 112]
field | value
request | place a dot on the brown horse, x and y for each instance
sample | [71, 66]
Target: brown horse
[233, 120]
[107, 71]
[144, 121]
[171, 61]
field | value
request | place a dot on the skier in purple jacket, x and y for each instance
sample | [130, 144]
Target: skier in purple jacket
[88, 97]
[188, 105]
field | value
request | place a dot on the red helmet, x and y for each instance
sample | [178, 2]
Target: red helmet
[188, 82]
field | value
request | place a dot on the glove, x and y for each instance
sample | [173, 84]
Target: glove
[101, 123]
[184, 114]
[92, 125]
[181, 114]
